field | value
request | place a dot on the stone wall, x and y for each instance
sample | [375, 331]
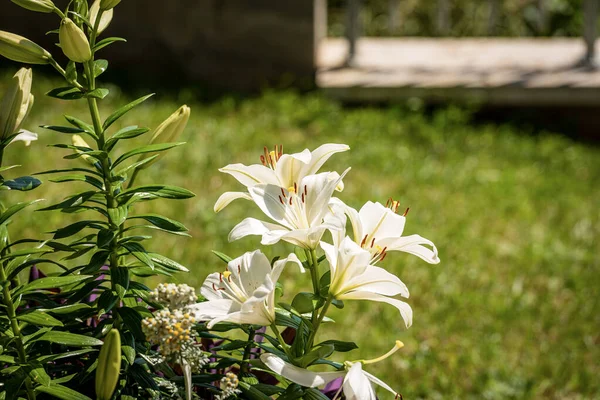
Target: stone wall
[237, 44]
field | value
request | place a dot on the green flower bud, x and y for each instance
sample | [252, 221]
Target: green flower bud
[73, 42]
[108, 4]
[109, 366]
[104, 20]
[45, 6]
[16, 104]
[23, 50]
[168, 131]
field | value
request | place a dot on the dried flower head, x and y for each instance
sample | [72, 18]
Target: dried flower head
[174, 296]
[229, 384]
[171, 330]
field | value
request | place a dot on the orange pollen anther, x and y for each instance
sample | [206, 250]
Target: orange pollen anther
[406, 212]
[364, 241]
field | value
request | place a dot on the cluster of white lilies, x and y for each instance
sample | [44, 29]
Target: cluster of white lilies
[299, 201]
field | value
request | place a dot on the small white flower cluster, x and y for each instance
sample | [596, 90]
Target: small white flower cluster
[195, 357]
[174, 296]
[229, 384]
[171, 330]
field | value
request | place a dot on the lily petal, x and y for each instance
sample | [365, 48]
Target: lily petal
[380, 222]
[413, 244]
[25, 136]
[404, 308]
[251, 226]
[227, 197]
[209, 310]
[250, 175]
[377, 280]
[320, 155]
[379, 382]
[357, 386]
[299, 375]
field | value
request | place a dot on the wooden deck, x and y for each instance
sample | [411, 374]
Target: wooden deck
[511, 72]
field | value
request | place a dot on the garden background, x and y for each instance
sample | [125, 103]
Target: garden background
[512, 309]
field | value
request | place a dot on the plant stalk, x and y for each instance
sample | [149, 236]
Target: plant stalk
[245, 365]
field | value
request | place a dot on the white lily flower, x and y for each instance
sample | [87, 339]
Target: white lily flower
[357, 382]
[244, 293]
[353, 278]
[302, 212]
[378, 229]
[25, 136]
[283, 170]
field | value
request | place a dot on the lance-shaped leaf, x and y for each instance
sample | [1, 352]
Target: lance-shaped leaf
[61, 392]
[22, 184]
[39, 318]
[126, 108]
[68, 339]
[162, 222]
[151, 148]
[154, 191]
[107, 41]
[51, 282]
[12, 210]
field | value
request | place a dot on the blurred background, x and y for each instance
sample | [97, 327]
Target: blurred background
[479, 115]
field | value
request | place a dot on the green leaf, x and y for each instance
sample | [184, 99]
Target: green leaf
[96, 262]
[133, 320]
[123, 110]
[69, 339]
[339, 345]
[154, 191]
[61, 392]
[119, 276]
[251, 392]
[66, 93]
[107, 41]
[151, 148]
[314, 394]
[72, 201]
[98, 93]
[118, 215]
[67, 309]
[12, 210]
[128, 347]
[53, 357]
[39, 318]
[52, 282]
[224, 257]
[22, 184]
[58, 171]
[63, 129]
[303, 302]
[80, 178]
[129, 132]
[99, 67]
[87, 128]
[138, 251]
[125, 170]
[74, 228]
[167, 263]
[105, 236]
[40, 376]
[71, 72]
[162, 222]
[320, 352]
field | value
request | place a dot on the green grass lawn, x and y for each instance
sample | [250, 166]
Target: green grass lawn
[513, 309]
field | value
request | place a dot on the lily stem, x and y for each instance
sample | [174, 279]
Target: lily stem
[12, 316]
[284, 345]
[245, 366]
[311, 338]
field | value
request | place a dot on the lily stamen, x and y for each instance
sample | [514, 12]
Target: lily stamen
[406, 212]
[394, 349]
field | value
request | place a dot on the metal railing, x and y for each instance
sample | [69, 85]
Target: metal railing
[443, 23]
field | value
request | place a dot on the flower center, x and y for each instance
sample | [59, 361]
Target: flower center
[270, 158]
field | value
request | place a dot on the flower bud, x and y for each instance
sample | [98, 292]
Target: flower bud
[23, 50]
[79, 142]
[108, 4]
[73, 42]
[16, 104]
[104, 20]
[168, 131]
[109, 366]
[45, 6]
